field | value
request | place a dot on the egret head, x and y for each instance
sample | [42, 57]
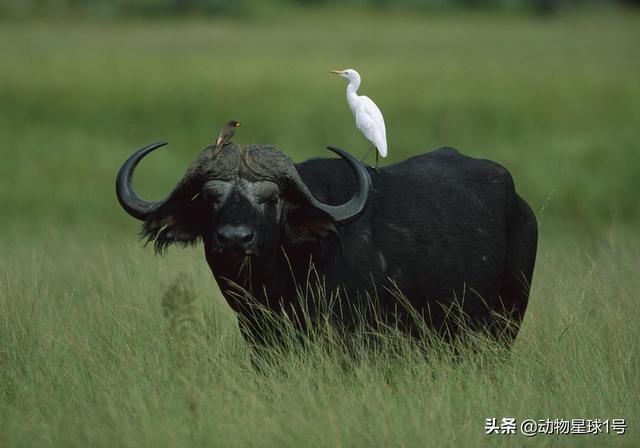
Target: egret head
[349, 73]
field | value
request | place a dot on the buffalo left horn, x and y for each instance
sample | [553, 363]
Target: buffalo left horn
[133, 204]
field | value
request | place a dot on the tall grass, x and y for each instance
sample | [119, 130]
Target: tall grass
[88, 358]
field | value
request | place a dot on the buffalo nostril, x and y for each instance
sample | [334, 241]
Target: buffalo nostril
[247, 238]
[229, 234]
[222, 237]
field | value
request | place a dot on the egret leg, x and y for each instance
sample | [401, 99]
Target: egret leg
[367, 154]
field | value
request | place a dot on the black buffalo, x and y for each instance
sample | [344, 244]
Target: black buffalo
[444, 230]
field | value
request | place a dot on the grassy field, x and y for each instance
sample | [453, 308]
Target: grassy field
[87, 357]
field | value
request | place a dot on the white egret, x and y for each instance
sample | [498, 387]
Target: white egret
[368, 117]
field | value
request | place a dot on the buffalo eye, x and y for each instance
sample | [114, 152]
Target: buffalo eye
[215, 191]
[270, 199]
[211, 198]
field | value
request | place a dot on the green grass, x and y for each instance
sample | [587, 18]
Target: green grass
[89, 360]
[87, 357]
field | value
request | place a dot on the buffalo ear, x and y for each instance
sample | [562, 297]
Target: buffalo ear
[174, 223]
[308, 224]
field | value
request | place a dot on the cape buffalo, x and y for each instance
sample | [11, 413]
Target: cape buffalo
[444, 229]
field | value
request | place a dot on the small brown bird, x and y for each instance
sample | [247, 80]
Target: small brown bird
[225, 135]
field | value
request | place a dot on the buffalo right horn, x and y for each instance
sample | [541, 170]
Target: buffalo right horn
[354, 207]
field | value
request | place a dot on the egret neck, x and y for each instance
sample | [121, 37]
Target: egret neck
[352, 88]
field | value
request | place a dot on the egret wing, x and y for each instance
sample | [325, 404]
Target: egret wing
[375, 128]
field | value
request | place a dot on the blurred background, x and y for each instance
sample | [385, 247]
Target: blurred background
[547, 88]
[253, 7]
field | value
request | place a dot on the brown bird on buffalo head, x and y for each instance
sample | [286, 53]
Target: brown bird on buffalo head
[225, 136]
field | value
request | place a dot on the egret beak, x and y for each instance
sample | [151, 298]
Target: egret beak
[336, 72]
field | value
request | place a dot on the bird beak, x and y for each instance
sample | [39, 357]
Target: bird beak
[237, 125]
[336, 72]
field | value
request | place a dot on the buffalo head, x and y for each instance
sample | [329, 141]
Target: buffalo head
[242, 201]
